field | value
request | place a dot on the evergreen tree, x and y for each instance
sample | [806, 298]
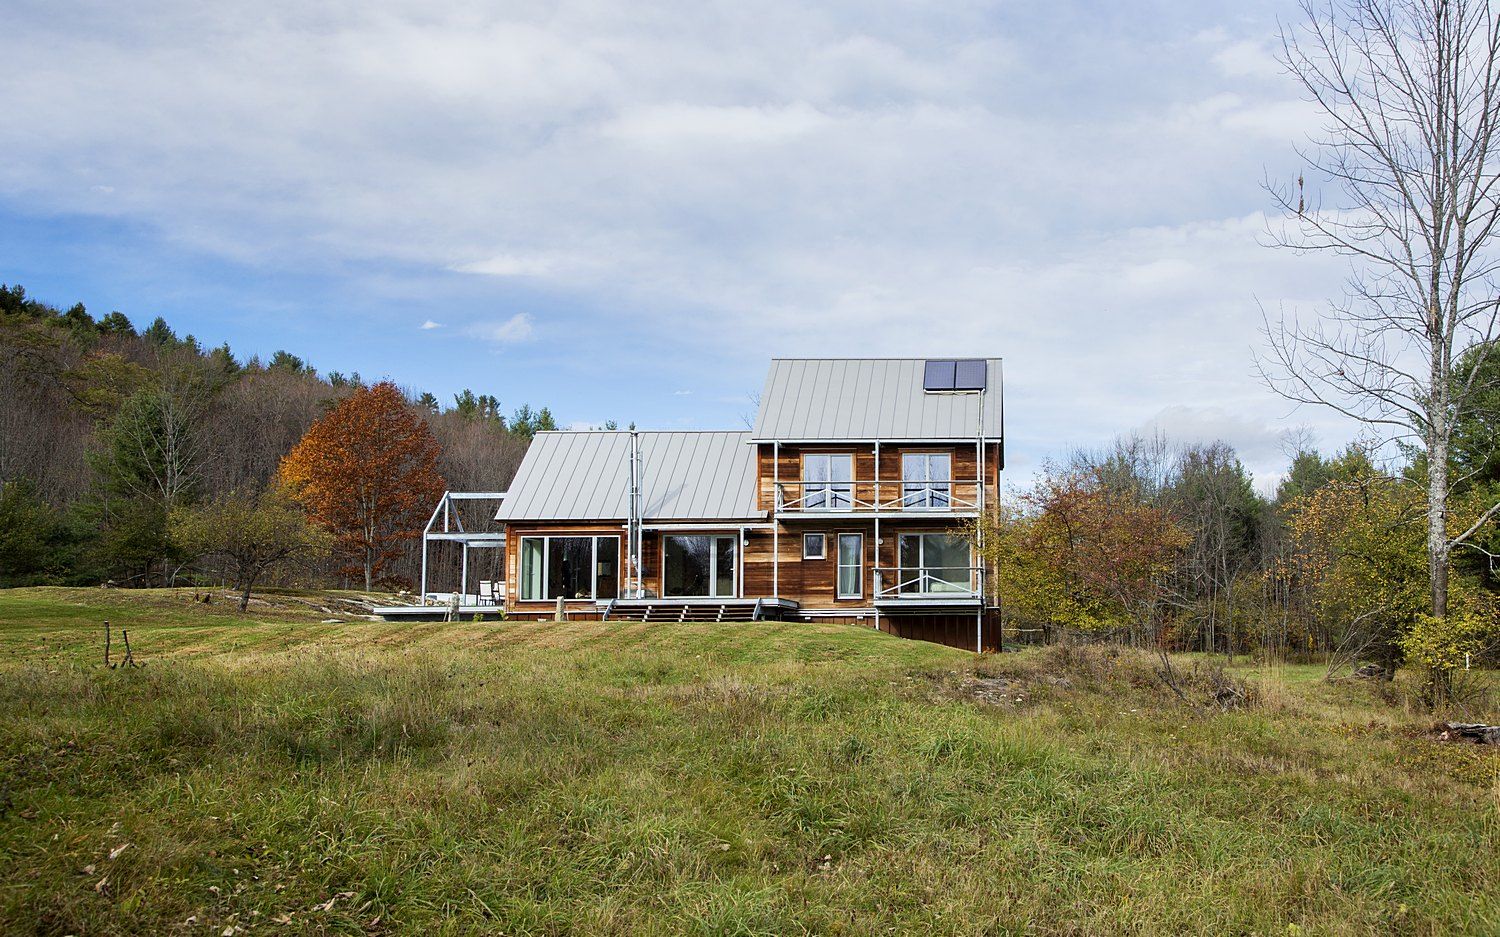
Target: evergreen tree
[116, 323]
[161, 335]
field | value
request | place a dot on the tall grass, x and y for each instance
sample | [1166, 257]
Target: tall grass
[737, 779]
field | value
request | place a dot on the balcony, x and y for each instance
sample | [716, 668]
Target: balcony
[809, 499]
[928, 586]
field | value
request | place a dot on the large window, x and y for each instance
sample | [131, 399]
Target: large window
[851, 574]
[698, 565]
[935, 563]
[570, 567]
[926, 479]
[827, 481]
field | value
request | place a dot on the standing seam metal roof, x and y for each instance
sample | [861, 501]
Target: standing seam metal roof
[584, 476]
[869, 398]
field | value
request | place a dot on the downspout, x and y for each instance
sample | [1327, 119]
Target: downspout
[979, 502]
[776, 521]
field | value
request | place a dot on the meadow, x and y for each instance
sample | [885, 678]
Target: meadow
[279, 773]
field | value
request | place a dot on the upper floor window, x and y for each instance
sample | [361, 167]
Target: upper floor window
[926, 479]
[827, 481]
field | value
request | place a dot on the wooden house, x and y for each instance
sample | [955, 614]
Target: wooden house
[854, 497]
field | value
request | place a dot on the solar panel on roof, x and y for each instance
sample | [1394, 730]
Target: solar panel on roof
[938, 375]
[970, 374]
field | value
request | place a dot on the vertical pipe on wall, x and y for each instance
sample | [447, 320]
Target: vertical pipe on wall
[775, 520]
[979, 527]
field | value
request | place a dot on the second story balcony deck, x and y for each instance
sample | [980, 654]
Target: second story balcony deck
[811, 499]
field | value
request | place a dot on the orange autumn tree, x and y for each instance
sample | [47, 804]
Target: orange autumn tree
[367, 471]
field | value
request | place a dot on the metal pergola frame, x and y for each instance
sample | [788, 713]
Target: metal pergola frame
[453, 531]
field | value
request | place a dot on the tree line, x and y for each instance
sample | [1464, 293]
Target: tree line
[1171, 546]
[112, 437]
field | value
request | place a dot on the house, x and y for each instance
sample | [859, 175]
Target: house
[854, 497]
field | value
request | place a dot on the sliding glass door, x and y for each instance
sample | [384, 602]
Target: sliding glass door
[934, 563]
[699, 566]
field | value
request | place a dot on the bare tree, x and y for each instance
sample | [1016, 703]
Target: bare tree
[1410, 90]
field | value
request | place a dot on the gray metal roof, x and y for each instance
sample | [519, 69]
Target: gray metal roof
[586, 476]
[869, 398]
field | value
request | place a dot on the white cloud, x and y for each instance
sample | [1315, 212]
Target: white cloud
[518, 328]
[429, 324]
[513, 265]
[1247, 58]
[670, 126]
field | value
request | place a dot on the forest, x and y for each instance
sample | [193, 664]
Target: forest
[126, 455]
[1166, 545]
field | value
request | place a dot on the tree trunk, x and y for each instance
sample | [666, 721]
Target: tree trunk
[1437, 520]
[249, 580]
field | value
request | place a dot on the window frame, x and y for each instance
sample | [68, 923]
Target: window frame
[822, 553]
[546, 580]
[713, 564]
[830, 489]
[839, 565]
[922, 494]
[924, 577]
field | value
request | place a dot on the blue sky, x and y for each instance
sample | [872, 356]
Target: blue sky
[623, 211]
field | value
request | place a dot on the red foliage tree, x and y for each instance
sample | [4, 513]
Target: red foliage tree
[367, 471]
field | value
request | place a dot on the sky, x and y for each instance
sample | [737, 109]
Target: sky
[623, 210]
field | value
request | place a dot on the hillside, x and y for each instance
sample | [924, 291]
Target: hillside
[193, 423]
[279, 773]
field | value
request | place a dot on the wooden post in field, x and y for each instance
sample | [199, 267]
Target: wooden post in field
[106, 645]
[560, 614]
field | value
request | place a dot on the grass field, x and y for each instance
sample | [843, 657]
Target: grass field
[278, 774]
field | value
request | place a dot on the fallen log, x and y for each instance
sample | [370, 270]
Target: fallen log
[1476, 732]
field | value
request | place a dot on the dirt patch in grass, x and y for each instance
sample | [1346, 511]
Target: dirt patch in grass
[1060, 671]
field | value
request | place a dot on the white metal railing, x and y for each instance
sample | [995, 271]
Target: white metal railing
[927, 497]
[927, 582]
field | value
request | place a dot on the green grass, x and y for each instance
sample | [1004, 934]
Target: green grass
[276, 774]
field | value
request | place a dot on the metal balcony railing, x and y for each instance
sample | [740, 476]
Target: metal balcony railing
[881, 497]
[928, 582]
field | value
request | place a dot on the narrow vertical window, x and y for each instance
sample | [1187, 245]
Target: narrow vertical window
[851, 573]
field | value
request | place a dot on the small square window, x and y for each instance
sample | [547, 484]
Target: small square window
[814, 547]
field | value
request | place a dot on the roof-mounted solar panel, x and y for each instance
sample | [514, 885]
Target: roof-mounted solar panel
[939, 375]
[970, 374]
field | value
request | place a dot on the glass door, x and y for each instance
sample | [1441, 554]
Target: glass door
[934, 563]
[926, 479]
[699, 566]
[827, 481]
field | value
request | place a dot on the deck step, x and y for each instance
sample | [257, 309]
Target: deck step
[683, 612]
